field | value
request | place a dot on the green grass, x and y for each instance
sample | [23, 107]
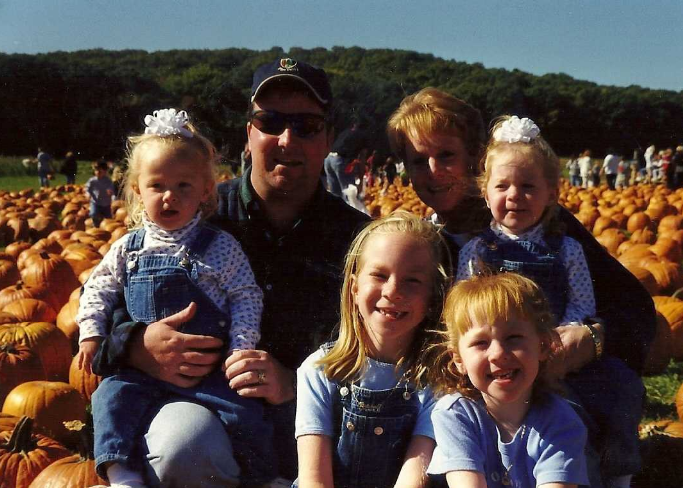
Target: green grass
[14, 176]
[661, 390]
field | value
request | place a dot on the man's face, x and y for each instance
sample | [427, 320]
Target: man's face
[286, 164]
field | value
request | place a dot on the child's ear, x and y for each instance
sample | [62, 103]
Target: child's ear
[208, 190]
[460, 366]
[354, 288]
[486, 199]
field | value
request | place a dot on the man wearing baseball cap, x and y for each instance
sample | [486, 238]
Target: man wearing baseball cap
[296, 235]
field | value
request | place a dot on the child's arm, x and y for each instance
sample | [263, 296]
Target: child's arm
[314, 424]
[465, 479]
[245, 298]
[86, 352]
[315, 461]
[101, 294]
[580, 295]
[414, 471]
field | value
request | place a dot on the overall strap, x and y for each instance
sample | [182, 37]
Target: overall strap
[135, 239]
[201, 242]
[554, 242]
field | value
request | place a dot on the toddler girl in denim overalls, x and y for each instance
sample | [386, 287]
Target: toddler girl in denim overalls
[170, 259]
[520, 183]
[363, 409]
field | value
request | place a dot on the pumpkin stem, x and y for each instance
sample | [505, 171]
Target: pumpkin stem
[21, 440]
[677, 293]
[85, 432]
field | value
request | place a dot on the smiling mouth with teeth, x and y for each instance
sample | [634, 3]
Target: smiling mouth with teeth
[394, 314]
[503, 376]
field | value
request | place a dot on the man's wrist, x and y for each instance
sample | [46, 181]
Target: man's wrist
[594, 325]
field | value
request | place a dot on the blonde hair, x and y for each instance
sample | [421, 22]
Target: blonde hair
[431, 111]
[536, 152]
[346, 360]
[197, 150]
[487, 298]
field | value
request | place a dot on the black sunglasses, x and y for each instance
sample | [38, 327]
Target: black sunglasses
[274, 123]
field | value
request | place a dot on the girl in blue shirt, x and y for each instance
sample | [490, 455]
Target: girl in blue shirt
[497, 425]
[363, 411]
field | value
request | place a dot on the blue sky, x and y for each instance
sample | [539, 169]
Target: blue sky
[612, 42]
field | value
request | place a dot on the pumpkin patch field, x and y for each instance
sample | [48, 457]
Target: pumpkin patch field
[49, 246]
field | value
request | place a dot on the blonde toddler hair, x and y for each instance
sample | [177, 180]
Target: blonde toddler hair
[196, 150]
[536, 152]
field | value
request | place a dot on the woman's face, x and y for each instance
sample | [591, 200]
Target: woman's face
[439, 166]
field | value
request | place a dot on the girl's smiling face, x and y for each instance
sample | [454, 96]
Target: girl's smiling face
[517, 191]
[502, 360]
[392, 291]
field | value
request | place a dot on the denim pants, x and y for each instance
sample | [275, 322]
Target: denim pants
[99, 212]
[375, 428]
[155, 287]
[612, 395]
[337, 178]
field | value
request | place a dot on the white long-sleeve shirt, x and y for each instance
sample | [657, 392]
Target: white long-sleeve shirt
[224, 275]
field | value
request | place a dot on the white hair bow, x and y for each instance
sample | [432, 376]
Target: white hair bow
[515, 129]
[167, 122]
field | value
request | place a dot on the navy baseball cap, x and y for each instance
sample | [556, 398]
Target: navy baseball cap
[315, 79]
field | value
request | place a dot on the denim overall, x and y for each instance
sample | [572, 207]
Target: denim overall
[155, 287]
[609, 393]
[537, 262]
[374, 430]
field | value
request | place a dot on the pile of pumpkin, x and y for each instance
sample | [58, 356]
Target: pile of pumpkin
[51, 247]
[381, 200]
[642, 226]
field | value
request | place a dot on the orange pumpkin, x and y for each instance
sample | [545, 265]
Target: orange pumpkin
[47, 343]
[659, 352]
[9, 273]
[673, 311]
[24, 454]
[50, 404]
[679, 402]
[66, 322]
[83, 381]
[31, 310]
[52, 271]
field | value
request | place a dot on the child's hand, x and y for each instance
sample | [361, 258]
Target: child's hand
[86, 352]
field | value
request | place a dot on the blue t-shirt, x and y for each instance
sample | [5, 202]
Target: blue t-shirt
[548, 448]
[314, 410]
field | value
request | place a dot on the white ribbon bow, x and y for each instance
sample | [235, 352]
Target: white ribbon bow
[167, 122]
[515, 129]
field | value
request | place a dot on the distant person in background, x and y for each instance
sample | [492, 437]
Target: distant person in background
[573, 170]
[610, 167]
[596, 172]
[118, 179]
[676, 170]
[351, 145]
[585, 166]
[45, 171]
[69, 168]
[649, 153]
[101, 190]
[623, 173]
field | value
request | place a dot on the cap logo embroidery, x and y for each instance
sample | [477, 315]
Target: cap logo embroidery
[288, 64]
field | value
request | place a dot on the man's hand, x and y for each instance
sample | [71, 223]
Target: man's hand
[578, 349]
[257, 374]
[166, 354]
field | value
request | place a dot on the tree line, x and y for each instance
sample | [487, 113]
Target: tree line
[89, 101]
